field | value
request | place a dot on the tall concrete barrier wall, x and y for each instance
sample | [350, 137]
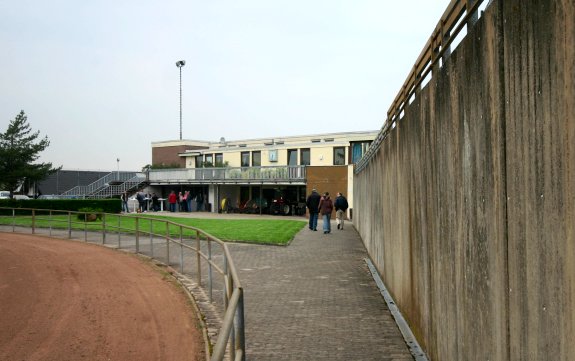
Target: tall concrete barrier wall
[467, 208]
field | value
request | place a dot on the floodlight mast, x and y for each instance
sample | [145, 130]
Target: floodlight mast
[180, 64]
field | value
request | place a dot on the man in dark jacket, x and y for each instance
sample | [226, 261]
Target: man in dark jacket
[312, 203]
[340, 210]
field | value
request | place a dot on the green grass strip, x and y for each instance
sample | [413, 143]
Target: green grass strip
[264, 231]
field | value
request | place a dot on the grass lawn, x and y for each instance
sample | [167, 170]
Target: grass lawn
[264, 231]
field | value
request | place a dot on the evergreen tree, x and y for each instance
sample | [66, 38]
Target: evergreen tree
[19, 149]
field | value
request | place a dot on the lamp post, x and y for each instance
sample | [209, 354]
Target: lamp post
[180, 64]
[118, 174]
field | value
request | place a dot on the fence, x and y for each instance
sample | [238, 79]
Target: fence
[186, 248]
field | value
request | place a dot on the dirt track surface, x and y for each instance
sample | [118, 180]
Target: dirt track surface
[67, 300]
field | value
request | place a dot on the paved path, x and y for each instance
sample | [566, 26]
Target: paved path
[315, 300]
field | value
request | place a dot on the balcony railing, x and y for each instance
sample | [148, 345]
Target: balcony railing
[284, 174]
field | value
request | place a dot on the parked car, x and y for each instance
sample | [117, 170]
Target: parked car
[4, 194]
[21, 197]
[48, 196]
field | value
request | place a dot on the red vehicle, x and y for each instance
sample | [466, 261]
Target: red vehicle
[285, 203]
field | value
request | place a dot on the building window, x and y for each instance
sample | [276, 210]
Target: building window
[358, 149]
[209, 160]
[199, 161]
[256, 159]
[338, 156]
[305, 158]
[273, 155]
[219, 160]
[292, 156]
[245, 159]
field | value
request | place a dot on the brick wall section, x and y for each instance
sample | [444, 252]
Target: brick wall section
[169, 155]
[330, 179]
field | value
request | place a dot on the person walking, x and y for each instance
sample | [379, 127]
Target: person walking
[172, 200]
[325, 208]
[312, 204]
[341, 206]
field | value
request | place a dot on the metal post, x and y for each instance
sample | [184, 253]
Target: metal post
[180, 64]
[227, 295]
[50, 223]
[137, 235]
[199, 258]
[33, 221]
[13, 220]
[181, 251]
[167, 243]
[210, 268]
[119, 231]
[103, 228]
[227, 292]
[70, 225]
[241, 339]
[180, 103]
[151, 238]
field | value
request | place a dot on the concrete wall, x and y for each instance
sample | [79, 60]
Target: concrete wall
[468, 207]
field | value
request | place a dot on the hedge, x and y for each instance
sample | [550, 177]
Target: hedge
[106, 205]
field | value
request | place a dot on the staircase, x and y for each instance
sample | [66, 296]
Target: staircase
[112, 184]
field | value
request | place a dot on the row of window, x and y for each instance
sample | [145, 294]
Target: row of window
[254, 158]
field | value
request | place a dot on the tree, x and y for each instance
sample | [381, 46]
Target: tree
[19, 149]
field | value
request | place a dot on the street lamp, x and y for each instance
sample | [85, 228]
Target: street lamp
[180, 64]
[118, 174]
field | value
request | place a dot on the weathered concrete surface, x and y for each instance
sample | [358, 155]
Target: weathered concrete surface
[467, 208]
[539, 53]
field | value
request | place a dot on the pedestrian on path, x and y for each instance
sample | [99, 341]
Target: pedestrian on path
[312, 204]
[325, 208]
[341, 206]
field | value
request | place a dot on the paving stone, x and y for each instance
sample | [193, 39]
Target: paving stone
[315, 299]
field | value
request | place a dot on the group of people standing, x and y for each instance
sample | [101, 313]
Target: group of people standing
[185, 201]
[143, 200]
[323, 205]
[151, 202]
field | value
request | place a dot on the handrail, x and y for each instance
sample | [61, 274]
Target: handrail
[229, 174]
[455, 17]
[101, 182]
[231, 337]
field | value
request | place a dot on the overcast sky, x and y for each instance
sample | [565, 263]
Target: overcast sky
[99, 77]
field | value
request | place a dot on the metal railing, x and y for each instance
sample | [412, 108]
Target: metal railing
[105, 182]
[178, 246]
[229, 175]
[458, 15]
